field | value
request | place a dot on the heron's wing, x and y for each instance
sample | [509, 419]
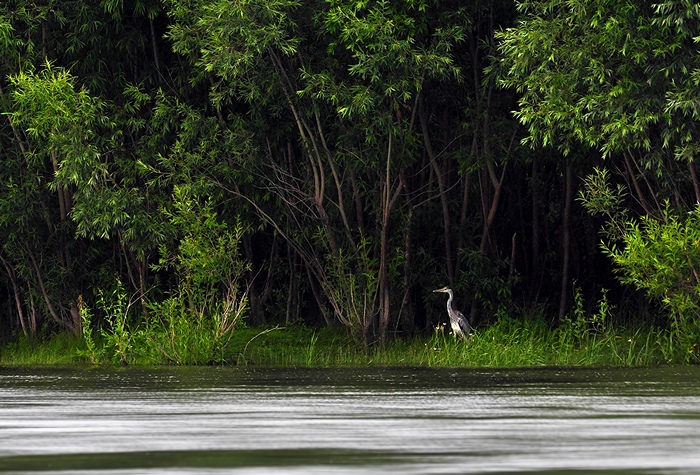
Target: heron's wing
[462, 321]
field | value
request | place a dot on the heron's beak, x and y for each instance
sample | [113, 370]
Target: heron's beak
[439, 290]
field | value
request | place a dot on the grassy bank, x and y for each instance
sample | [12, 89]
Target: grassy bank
[508, 343]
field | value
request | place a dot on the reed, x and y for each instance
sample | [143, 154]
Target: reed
[57, 350]
[507, 343]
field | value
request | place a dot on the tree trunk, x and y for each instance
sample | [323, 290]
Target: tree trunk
[449, 262]
[407, 311]
[47, 299]
[389, 198]
[696, 183]
[536, 211]
[293, 299]
[491, 206]
[566, 239]
[463, 216]
[18, 302]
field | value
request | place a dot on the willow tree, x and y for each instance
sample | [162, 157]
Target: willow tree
[74, 208]
[54, 124]
[621, 78]
[335, 86]
[391, 49]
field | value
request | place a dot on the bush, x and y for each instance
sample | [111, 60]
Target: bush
[195, 323]
[657, 254]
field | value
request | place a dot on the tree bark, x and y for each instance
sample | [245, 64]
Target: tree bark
[18, 302]
[536, 210]
[566, 239]
[449, 262]
[696, 183]
[406, 310]
[389, 198]
[47, 299]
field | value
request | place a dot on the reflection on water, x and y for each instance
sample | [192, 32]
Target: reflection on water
[268, 421]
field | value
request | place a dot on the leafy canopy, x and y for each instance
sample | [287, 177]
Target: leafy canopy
[605, 74]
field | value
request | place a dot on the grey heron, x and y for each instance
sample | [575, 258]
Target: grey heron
[458, 322]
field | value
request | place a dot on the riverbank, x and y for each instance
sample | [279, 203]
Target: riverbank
[509, 343]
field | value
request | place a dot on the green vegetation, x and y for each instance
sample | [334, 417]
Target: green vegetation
[509, 343]
[181, 179]
[583, 339]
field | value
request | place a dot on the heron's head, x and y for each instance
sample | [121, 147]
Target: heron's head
[444, 289]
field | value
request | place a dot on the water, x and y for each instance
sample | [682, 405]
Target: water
[289, 421]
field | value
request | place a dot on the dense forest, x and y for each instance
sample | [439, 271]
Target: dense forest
[188, 165]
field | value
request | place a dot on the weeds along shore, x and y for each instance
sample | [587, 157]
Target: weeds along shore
[507, 343]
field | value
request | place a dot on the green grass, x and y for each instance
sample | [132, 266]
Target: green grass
[508, 343]
[56, 350]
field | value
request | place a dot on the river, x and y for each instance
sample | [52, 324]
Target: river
[350, 421]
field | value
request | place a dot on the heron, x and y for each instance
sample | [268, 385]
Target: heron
[458, 322]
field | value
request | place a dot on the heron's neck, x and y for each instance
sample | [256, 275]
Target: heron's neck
[450, 296]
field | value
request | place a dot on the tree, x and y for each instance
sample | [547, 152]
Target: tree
[354, 117]
[55, 130]
[68, 164]
[617, 77]
[605, 75]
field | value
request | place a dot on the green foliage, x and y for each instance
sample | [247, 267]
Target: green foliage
[198, 319]
[237, 41]
[620, 77]
[508, 343]
[352, 288]
[589, 72]
[61, 122]
[183, 337]
[55, 128]
[317, 66]
[59, 349]
[489, 285]
[195, 324]
[661, 257]
[656, 254]
[599, 197]
[92, 351]
[581, 327]
[390, 57]
[118, 340]
[334, 131]
[208, 251]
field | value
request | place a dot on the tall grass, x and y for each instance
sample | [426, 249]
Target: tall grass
[57, 350]
[174, 334]
[507, 343]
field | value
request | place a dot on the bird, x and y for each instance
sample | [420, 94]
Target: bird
[458, 322]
